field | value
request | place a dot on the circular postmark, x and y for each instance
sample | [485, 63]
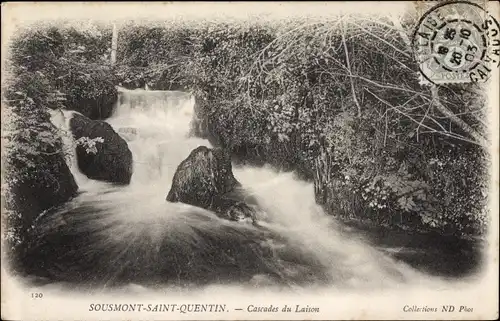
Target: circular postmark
[457, 42]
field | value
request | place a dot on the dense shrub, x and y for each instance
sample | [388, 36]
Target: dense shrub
[35, 174]
[89, 89]
[340, 103]
[73, 62]
[50, 67]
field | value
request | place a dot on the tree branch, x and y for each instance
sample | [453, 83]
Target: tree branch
[350, 72]
[478, 138]
[431, 130]
[459, 122]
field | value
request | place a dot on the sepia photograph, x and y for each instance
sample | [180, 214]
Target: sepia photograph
[250, 161]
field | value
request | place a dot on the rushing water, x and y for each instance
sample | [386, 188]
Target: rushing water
[132, 235]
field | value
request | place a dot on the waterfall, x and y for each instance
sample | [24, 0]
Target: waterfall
[131, 235]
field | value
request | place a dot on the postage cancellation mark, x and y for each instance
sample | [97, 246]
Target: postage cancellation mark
[456, 42]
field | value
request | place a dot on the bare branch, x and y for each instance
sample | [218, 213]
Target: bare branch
[423, 118]
[431, 130]
[463, 125]
[479, 139]
[386, 86]
[350, 72]
[402, 34]
[384, 41]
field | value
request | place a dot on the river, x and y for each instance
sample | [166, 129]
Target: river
[131, 236]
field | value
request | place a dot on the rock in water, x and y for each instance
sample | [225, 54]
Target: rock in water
[205, 179]
[113, 160]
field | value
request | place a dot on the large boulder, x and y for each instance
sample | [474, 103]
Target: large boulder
[205, 179]
[113, 160]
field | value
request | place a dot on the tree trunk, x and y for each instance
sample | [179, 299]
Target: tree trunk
[114, 45]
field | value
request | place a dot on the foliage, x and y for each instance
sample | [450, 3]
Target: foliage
[336, 100]
[47, 65]
[89, 144]
[73, 65]
[48, 73]
[339, 101]
[88, 88]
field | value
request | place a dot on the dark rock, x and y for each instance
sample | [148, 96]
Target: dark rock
[113, 160]
[205, 179]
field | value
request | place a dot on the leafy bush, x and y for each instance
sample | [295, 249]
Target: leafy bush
[35, 176]
[72, 62]
[49, 68]
[88, 88]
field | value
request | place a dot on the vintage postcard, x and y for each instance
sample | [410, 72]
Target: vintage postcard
[250, 161]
